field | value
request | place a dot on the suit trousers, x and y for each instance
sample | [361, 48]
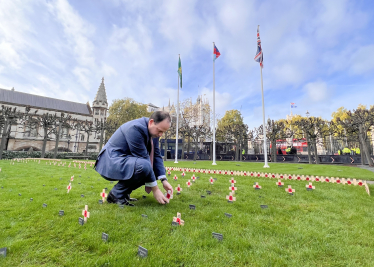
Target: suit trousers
[142, 171]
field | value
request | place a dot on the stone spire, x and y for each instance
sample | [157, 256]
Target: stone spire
[100, 99]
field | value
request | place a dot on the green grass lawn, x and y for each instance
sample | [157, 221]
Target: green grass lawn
[289, 168]
[330, 226]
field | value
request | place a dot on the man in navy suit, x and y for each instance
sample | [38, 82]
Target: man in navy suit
[132, 157]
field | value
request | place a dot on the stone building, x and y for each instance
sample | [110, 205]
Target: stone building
[23, 138]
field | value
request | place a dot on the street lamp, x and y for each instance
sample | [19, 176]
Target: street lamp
[307, 114]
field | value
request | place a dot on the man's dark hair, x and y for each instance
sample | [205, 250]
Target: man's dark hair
[159, 116]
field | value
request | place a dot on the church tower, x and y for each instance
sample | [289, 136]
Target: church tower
[100, 104]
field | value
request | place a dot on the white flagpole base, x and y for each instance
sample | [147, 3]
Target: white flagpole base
[266, 166]
[214, 163]
[175, 161]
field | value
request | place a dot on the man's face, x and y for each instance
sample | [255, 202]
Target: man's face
[156, 130]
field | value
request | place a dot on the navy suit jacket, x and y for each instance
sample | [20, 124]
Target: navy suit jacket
[128, 143]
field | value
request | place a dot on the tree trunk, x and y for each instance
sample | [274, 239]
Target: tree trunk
[195, 155]
[240, 151]
[44, 142]
[308, 146]
[3, 138]
[315, 150]
[101, 138]
[362, 152]
[364, 146]
[182, 155]
[57, 140]
[87, 142]
[211, 150]
[188, 145]
[274, 150]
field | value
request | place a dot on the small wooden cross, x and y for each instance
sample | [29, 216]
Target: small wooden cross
[211, 180]
[360, 183]
[183, 174]
[367, 189]
[279, 183]
[169, 173]
[72, 178]
[289, 190]
[230, 198]
[232, 180]
[168, 195]
[349, 182]
[310, 186]
[179, 189]
[193, 178]
[69, 187]
[188, 183]
[85, 213]
[233, 188]
[103, 195]
[257, 186]
[178, 219]
[175, 177]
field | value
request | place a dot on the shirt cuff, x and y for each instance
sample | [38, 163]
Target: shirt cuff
[161, 176]
[152, 184]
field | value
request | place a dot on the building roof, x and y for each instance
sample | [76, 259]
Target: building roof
[12, 97]
[100, 98]
[152, 105]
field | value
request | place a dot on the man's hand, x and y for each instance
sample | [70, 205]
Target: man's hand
[159, 196]
[167, 186]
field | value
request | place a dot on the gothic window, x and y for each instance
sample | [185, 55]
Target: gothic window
[82, 137]
[96, 112]
[64, 132]
[102, 113]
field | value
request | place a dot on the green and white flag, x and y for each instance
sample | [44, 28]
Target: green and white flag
[180, 70]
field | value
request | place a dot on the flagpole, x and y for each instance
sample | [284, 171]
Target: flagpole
[176, 135]
[263, 124]
[214, 116]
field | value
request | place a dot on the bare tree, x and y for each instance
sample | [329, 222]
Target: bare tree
[274, 131]
[87, 127]
[8, 117]
[194, 124]
[315, 130]
[358, 123]
[60, 123]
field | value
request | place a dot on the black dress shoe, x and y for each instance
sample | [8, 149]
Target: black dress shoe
[112, 199]
[131, 199]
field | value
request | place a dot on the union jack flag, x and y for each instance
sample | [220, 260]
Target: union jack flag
[259, 55]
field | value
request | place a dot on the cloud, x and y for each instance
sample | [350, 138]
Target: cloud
[222, 100]
[362, 61]
[83, 76]
[316, 91]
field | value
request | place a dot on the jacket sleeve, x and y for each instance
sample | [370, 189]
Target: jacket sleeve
[158, 163]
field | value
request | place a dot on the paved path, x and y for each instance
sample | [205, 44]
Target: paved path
[366, 167]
